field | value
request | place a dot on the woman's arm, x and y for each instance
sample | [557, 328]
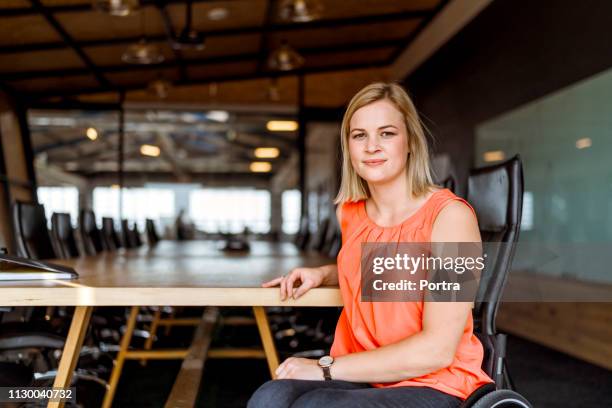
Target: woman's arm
[431, 349]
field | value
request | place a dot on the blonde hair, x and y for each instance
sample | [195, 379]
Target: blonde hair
[355, 188]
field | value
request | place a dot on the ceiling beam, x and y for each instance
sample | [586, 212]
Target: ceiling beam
[79, 8]
[50, 174]
[368, 45]
[265, 36]
[69, 41]
[444, 25]
[214, 79]
[171, 36]
[255, 29]
[169, 154]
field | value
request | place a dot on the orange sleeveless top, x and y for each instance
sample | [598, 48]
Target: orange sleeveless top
[357, 329]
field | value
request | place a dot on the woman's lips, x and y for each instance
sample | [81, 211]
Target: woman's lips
[374, 162]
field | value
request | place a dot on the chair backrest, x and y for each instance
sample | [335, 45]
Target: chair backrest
[31, 233]
[449, 183]
[496, 193]
[318, 239]
[109, 236]
[90, 234]
[127, 235]
[152, 236]
[135, 233]
[63, 233]
[332, 240]
[302, 238]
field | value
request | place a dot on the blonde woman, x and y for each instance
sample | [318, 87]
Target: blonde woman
[385, 354]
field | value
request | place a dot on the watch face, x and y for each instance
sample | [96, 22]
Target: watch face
[326, 361]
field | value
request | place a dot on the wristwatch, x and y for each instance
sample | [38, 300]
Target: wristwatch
[325, 363]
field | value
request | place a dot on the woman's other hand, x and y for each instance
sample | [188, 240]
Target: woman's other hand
[295, 368]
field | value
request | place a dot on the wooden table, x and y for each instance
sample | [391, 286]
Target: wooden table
[192, 273]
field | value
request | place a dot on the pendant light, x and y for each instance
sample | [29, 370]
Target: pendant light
[159, 87]
[120, 8]
[274, 91]
[189, 38]
[142, 53]
[285, 58]
[300, 11]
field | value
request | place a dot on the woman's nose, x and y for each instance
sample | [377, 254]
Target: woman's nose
[372, 144]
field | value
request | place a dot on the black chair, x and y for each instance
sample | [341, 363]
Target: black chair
[109, 236]
[449, 183]
[31, 343]
[31, 233]
[63, 233]
[151, 231]
[318, 239]
[302, 238]
[90, 234]
[496, 193]
[335, 244]
[333, 239]
[127, 235]
[136, 236]
[15, 375]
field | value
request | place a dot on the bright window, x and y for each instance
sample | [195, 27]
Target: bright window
[138, 204]
[230, 210]
[59, 199]
[291, 203]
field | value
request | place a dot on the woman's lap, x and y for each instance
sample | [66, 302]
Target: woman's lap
[340, 394]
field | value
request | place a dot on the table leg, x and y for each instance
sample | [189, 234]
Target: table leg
[152, 332]
[266, 338]
[72, 349]
[118, 366]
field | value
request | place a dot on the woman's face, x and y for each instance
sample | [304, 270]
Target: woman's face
[378, 142]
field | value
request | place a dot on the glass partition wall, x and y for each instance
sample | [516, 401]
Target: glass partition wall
[565, 142]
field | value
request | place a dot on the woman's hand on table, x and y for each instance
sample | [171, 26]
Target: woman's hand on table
[295, 368]
[298, 282]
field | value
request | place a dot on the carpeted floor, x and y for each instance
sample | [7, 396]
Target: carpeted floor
[547, 378]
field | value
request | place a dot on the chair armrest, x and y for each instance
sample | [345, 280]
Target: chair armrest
[19, 340]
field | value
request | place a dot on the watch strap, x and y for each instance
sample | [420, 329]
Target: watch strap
[326, 373]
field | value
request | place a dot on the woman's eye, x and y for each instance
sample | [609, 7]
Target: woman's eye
[358, 135]
[388, 134]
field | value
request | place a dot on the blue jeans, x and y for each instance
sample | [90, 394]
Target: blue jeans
[340, 394]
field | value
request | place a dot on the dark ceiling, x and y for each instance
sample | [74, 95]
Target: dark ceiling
[64, 47]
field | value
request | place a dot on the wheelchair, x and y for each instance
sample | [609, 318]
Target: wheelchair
[490, 189]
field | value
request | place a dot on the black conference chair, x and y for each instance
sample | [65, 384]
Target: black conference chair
[318, 239]
[63, 233]
[31, 233]
[32, 343]
[151, 231]
[302, 238]
[90, 234]
[127, 235]
[136, 236]
[109, 236]
[449, 183]
[333, 239]
[496, 193]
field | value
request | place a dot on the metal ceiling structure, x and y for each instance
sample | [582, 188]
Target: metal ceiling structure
[62, 53]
